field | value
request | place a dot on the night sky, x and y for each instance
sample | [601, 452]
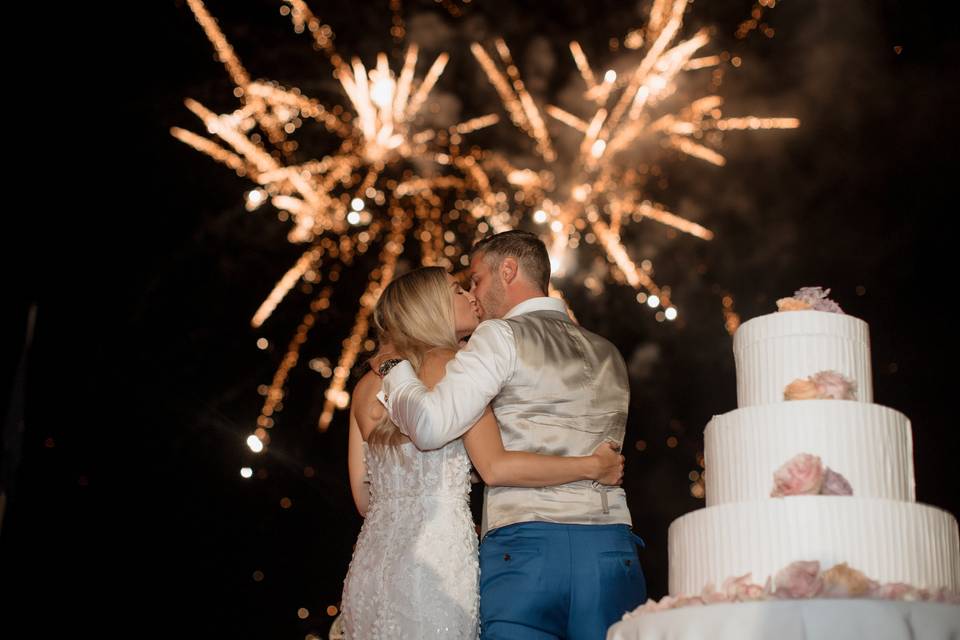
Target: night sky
[126, 509]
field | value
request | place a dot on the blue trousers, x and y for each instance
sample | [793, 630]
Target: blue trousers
[542, 580]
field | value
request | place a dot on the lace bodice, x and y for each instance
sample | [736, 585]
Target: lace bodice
[405, 472]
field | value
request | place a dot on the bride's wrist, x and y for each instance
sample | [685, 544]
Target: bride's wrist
[593, 467]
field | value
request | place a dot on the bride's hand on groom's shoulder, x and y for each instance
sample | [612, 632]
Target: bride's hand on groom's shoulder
[385, 352]
[609, 464]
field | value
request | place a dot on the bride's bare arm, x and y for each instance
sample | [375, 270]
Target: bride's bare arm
[499, 467]
[365, 412]
[356, 467]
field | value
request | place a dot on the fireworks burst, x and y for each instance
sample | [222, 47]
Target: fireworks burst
[381, 183]
[388, 181]
[589, 193]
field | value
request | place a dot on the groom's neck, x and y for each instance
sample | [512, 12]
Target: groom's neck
[520, 294]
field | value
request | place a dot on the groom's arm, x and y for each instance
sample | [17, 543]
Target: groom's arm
[434, 417]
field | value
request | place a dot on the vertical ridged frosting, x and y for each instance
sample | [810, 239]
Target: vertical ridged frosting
[773, 350]
[889, 541]
[869, 444]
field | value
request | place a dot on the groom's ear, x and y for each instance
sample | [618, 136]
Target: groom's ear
[509, 269]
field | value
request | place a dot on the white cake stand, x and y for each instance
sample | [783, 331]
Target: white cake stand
[838, 619]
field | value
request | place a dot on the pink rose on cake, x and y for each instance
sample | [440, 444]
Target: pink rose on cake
[825, 385]
[801, 389]
[805, 475]
[835, 484]
[840, 581]
[800, 475]
[800, 579]
[710, 595]
[792, 304]
[945, 595]
[742, 589]
[814, 298]
[691, 601]
[834, 385]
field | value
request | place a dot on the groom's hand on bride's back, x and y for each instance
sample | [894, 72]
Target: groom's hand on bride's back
[609, 464]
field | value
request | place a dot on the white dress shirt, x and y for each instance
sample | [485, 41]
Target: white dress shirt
[432, 418]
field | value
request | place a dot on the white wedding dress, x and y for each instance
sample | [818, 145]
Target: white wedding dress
[414, 572]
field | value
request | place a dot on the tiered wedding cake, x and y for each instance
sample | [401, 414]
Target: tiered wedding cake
[779, 474]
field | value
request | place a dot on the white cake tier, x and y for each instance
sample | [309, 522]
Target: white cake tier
[889, 541]
[869, 444]
[772, 351]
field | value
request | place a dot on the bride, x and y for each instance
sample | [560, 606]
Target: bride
[414, 571]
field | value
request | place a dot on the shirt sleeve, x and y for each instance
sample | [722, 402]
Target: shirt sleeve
[432, 418]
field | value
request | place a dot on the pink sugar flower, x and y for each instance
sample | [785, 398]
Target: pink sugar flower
[798, 579]
[817, 298]
[802, 389]
[840, 581]
[835, 484]
[833, 385]
[800, 475]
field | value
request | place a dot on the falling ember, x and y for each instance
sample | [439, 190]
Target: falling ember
[754, 22]
[731, 319]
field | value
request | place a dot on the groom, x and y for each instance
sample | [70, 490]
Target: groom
[555, 562]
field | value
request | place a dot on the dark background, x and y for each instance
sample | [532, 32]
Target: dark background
[126, 508]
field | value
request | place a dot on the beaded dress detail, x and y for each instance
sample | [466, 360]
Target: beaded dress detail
[414, 572]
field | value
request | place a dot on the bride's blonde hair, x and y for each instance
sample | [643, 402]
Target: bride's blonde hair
[415, 314]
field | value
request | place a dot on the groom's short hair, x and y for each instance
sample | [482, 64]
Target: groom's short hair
[526, 247]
